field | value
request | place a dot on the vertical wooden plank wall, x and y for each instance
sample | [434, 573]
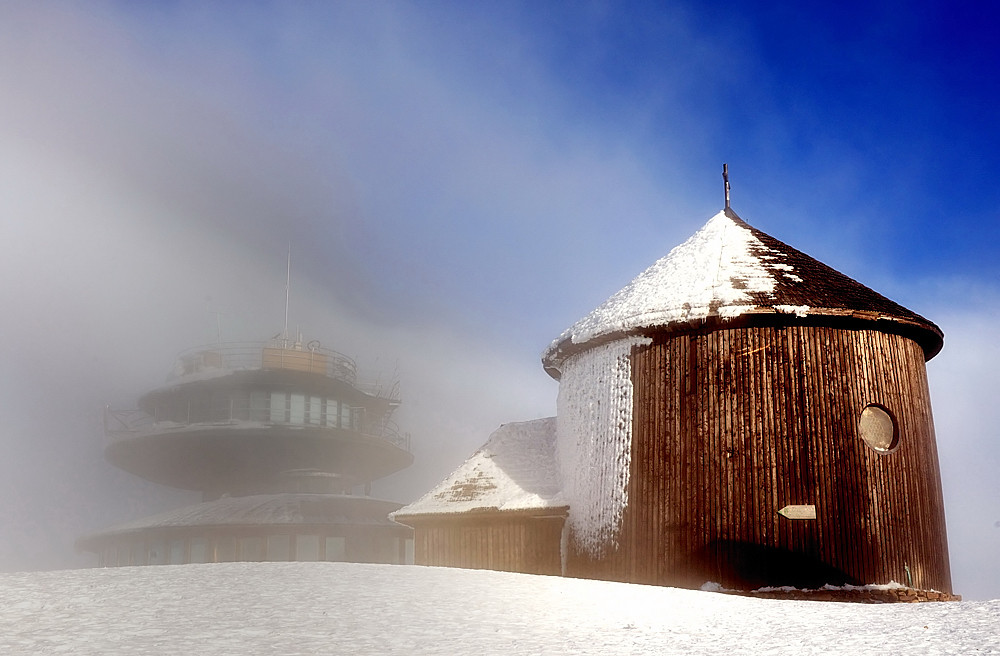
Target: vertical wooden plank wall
[530, 545]
[732, 425]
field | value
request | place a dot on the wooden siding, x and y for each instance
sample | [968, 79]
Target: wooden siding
[731, 425]
[526, 544]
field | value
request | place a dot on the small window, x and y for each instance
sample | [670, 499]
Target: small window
[336, 549]
[225, 550]
[138, 556]
[251, 549]
[315, 410]
[297, 409]
[175, 552]
[260, 405]
[279, 407]
[157, 554]
[122, 557]
[277, 548]
[199, 551]
[331, 414]
[239, 405]
[877, 428]
[306, 548]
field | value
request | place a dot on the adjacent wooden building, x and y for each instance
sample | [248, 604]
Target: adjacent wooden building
[500, 510]
[739, 413]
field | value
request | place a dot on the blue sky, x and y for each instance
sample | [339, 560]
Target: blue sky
[459, 182]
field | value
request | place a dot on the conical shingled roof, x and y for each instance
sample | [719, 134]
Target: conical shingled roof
[729, 270]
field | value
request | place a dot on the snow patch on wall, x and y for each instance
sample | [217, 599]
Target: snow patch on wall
[594, 441]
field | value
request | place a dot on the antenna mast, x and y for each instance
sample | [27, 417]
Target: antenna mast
[288, 281]
[725, 179]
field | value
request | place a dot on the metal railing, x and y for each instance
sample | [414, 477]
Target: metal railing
[215, 359]
[125, 424]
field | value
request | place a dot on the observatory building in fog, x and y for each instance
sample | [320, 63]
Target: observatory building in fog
[283, 444]
[740, 413]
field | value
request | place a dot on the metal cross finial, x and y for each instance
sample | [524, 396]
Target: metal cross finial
[725, 178]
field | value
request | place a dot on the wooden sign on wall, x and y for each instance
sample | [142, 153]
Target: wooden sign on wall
[798, 512]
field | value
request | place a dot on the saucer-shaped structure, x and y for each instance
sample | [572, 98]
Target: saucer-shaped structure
[282, 442]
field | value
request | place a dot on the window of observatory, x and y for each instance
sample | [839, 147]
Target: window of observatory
[260, 405]
[251, 548]
[199, 551]
[277, 548]
[306, 548]
[336, 548]
[314, 408]
[175, 554]
[297, 409]
[878, 429]
[225, 550]
[279, 407]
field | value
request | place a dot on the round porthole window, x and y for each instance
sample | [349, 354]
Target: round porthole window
[878, 428]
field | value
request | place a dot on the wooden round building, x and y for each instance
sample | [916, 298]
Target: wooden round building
[744, 414]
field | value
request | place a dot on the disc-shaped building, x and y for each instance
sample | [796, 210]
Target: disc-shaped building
[739, 413]
[283, 443]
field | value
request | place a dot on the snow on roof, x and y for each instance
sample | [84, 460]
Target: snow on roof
[515, 470]
[264, 509]
[726, 270]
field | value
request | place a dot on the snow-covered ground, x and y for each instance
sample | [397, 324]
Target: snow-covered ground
[338, 608]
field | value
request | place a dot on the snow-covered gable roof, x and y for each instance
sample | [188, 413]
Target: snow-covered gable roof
[515, 470]
[726, 270]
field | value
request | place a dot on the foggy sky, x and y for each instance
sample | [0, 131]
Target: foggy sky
[457, 186]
